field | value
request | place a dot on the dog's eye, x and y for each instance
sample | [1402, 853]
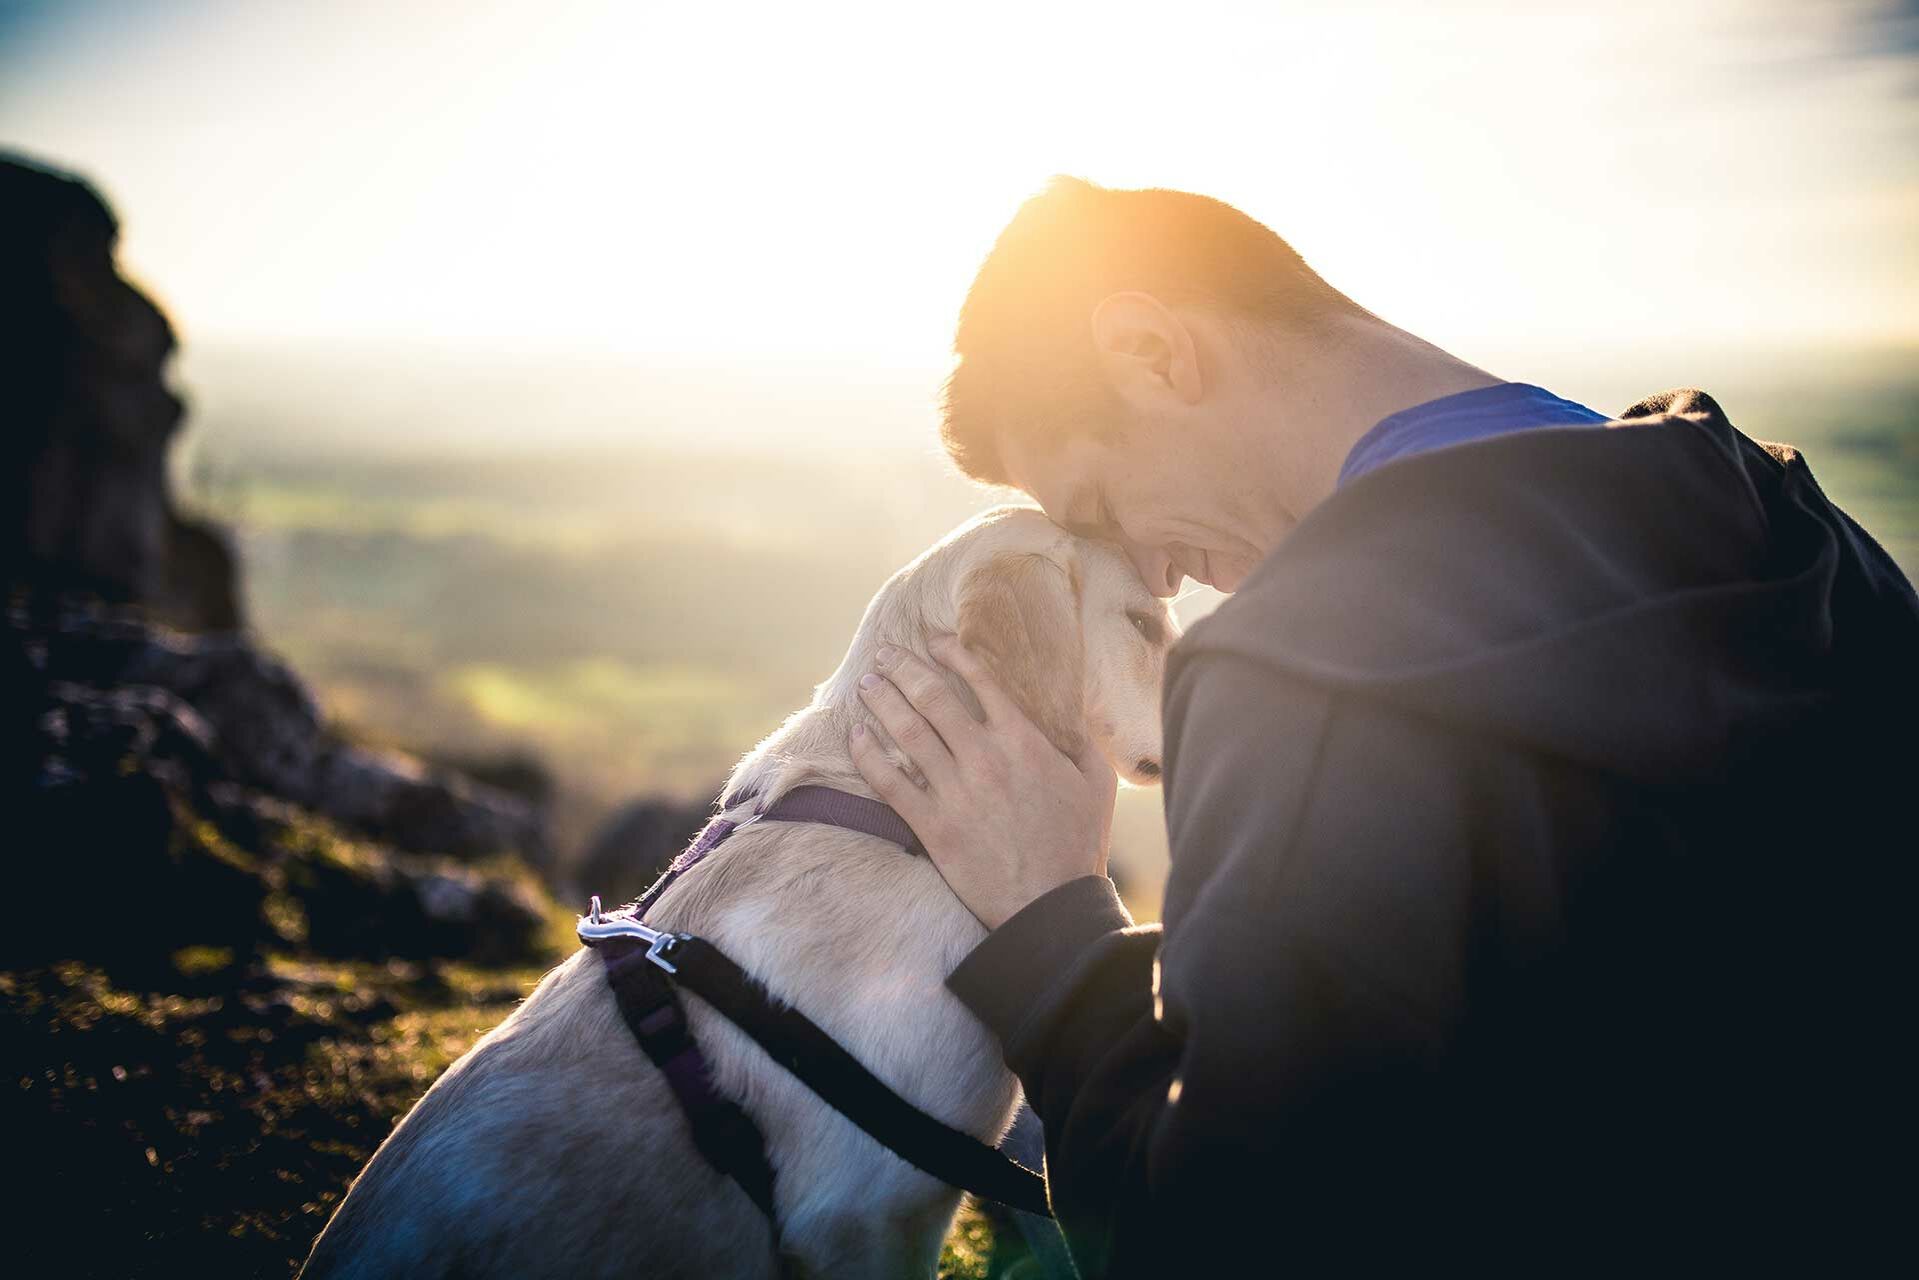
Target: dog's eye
[1148, 626]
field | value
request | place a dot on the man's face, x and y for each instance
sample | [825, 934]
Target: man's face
[1171, 497]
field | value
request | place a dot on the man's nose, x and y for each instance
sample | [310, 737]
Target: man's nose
[1156, 568]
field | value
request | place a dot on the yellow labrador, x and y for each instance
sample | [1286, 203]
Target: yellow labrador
[553, 1147]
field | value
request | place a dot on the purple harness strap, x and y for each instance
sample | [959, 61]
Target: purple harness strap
[826, 805]
[721, 1130]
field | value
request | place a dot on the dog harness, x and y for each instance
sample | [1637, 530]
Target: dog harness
[646, 967]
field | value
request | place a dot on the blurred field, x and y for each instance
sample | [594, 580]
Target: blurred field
[473, 557]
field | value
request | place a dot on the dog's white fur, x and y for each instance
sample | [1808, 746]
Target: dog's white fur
[553, 1147]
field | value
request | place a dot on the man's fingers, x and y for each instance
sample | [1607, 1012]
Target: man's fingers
[910, 730]
[994, 700]
[929, 693]
[888, 781]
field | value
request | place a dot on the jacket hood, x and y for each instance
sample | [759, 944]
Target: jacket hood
[1660, 598]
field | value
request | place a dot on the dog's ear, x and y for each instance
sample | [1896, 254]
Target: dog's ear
[1020, 614]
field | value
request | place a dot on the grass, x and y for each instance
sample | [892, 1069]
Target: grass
[215, 1128]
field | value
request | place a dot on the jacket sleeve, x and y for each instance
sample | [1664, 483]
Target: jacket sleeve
[1203, 1087]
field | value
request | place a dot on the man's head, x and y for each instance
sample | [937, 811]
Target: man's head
[1119, 354]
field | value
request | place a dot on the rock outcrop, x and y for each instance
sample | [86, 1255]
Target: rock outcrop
[267, 733]
[234, 946]
[184, 784]
[160, 755]
[88, 417]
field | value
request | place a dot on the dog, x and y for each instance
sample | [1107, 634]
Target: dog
[554, 1147]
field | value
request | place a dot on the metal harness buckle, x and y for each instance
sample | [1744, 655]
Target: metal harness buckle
[595, 927]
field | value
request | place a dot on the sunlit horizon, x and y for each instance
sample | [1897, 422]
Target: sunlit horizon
[792, 184]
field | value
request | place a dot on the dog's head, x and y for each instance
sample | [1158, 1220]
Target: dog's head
[1071, 632]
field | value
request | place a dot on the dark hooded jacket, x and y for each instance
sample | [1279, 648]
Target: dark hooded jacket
[1540, 814]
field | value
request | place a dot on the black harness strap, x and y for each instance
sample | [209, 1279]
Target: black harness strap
[725, 1134]
[794, 1041]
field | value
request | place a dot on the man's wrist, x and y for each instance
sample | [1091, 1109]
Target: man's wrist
[1008, 972]
[1015, 898]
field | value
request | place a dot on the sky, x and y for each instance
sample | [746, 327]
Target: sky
[818, 182]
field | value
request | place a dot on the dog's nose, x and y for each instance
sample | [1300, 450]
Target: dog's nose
[1149, 768]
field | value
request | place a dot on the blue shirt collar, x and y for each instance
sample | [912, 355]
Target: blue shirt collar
[1456, 419]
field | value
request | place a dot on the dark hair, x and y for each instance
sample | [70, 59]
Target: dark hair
[1026, 359]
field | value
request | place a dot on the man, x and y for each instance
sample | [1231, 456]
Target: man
[1535, 805]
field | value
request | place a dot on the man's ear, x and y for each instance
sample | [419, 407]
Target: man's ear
[1146, 351]
[1020, 614]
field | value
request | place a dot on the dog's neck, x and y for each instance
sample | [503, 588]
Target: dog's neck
[812, 747]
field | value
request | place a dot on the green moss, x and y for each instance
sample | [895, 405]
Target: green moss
[214, 1133]
[968, 1254]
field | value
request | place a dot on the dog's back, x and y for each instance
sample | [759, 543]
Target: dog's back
[551, 1147]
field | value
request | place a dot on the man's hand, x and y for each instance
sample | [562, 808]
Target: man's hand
[1004, 815]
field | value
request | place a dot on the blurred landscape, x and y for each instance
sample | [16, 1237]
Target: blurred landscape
[633, 573]
[630, 574]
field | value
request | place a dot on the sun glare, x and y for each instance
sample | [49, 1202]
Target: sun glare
[798, 181]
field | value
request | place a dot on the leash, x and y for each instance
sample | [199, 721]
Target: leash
[646, 966]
